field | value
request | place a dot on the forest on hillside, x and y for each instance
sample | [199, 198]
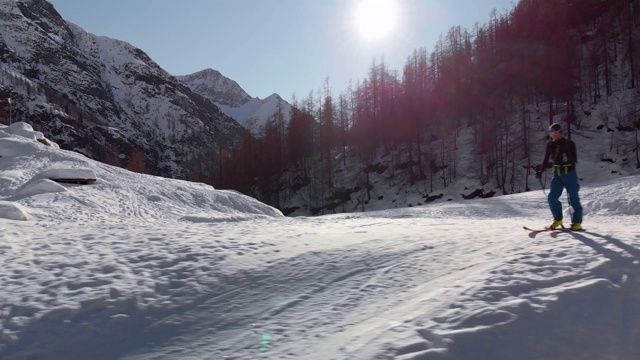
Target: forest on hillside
[557, 56]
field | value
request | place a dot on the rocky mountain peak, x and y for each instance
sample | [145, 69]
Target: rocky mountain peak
[251, 112]
[213, 85]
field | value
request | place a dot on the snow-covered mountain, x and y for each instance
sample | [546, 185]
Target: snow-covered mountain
[103, 97]
[252, 113]
[216, 87]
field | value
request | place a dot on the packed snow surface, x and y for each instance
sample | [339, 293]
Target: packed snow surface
[141, 267]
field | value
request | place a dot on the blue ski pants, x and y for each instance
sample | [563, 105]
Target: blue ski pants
[567, 181]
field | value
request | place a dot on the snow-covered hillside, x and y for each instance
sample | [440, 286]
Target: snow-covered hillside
[141, 198]
[141, 267]
[604, 153]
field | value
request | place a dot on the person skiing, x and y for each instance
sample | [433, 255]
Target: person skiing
[562, 153]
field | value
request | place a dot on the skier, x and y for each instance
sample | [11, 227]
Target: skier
[562, 152]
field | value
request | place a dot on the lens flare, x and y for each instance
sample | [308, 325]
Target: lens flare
[376, 18]
[266, 338]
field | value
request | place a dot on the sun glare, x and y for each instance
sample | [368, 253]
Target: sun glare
[376, 18]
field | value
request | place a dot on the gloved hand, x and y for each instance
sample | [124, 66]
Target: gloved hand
[538, 174]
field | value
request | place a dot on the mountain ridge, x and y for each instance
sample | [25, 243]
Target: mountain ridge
[251, 112]
[83, 87]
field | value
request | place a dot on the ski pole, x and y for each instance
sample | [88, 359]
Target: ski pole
[542, 186]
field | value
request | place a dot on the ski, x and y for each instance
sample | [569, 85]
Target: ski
[549, 229]
[541, 230]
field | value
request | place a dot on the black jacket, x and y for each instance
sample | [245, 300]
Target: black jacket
[560, 152]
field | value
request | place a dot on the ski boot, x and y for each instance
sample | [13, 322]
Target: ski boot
[556, 224]
[576, 227]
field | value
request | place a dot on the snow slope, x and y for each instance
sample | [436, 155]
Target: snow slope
[141, 267]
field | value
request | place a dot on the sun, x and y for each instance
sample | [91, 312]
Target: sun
[376, 19]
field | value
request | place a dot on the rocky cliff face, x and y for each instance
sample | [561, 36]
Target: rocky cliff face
[103, 97]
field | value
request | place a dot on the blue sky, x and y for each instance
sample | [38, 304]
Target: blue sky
[267, 46]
